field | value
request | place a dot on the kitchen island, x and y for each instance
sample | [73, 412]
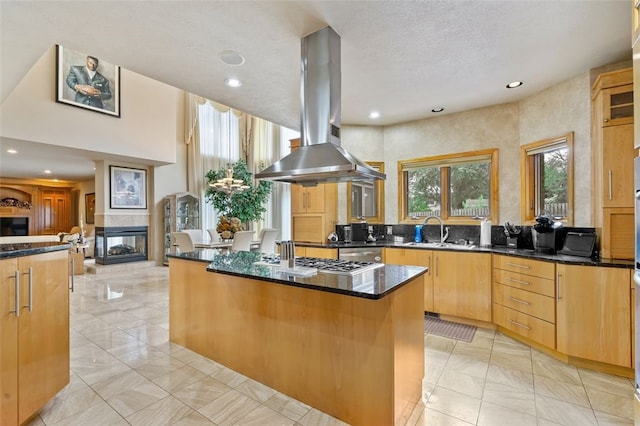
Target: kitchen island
[351, 346]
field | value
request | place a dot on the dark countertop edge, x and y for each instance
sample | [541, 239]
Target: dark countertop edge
[29, 249]
[526, 253]
[325, 289]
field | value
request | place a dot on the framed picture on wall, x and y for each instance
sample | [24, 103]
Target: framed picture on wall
[84, 81]
[128, 188]
[90, 208]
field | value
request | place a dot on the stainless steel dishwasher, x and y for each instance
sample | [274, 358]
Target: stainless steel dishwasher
[361, 254]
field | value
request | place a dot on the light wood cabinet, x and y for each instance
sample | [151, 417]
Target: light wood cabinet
[34, 360]
[524, 298]
[612, 162]
[617, 164]
[412, 257]
[462, 284]
[594, 313]
[55, 211]
[314, 209]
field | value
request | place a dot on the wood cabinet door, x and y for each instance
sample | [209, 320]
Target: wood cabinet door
[323, 253]
[55, 212]
[8, 344]
[594, 313]
[315, 201]
[617, 103]
[617, 167]
[462, 284]
[411, 257]
[43, 332]
[298, 199]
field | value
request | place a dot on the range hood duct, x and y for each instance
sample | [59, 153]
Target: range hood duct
[320, 157]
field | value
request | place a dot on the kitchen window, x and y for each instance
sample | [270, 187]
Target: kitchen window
[455, 187]
[547, 179]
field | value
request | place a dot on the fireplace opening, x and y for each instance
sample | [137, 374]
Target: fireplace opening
[121, 244]
[14, 226]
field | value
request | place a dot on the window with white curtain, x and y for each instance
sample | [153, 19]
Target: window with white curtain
[219, 145]
[219, 141]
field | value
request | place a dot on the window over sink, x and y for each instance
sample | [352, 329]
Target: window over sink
[456, 187]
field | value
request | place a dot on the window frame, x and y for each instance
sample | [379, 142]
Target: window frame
[443, 161]
[379, 190]
[527, 177]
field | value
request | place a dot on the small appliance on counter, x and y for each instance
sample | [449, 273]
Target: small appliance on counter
[359, 231]
[546, 238]
[346, 231]
[579, 244]
[333, 237]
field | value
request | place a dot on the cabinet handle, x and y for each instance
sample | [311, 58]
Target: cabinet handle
[73, 273]
[513, 280]
[519, 266]
[519, 301]
[30, 305]
[610, 184]
[558, 276]
[16, 276]
[519, 325]
[308, 201]
[436, 266]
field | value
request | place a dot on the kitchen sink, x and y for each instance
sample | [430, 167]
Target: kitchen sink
[441, 245]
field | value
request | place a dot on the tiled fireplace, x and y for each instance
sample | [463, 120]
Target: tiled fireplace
[121, 244]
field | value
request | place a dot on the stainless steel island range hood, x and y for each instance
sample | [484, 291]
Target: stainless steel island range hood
[320, 157]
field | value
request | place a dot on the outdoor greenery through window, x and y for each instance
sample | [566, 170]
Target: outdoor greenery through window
[547, 178]
[455, 186]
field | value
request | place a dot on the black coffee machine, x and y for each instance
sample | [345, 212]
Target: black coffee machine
[547, 235]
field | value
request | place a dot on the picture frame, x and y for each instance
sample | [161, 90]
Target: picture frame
[90, 208]
[128, 188]
[75, 87]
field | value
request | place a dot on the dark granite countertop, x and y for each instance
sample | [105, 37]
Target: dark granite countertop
[28, 249]
[372, 284]
[528, 253]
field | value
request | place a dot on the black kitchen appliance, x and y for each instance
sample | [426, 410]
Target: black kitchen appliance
[546, 238]
[579, 244]
[359, 231]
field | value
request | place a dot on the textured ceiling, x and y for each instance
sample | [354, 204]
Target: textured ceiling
[401, 58]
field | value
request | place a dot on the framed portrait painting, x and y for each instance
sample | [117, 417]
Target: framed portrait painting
[84, 81]
[90, 208]
[128, 188]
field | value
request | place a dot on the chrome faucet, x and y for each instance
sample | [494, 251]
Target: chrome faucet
[443, 234]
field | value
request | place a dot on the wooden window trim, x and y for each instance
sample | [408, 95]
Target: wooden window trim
[527, 177]
[446, 159]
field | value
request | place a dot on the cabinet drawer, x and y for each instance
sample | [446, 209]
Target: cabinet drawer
[534, 304]
[525, 325]
[520, 265]
[525, 282]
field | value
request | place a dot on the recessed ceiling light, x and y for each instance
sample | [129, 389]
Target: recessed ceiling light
[374, 114]
[233, 82]
[230, 57]
[437, 109]
[47, 171]
[12, 151]
[514, 84]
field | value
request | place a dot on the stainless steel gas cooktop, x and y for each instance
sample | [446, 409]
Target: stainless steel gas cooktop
[328, 266]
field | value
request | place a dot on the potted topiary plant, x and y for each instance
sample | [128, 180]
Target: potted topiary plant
[246, 205]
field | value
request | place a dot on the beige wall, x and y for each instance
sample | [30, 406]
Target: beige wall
[553, 112]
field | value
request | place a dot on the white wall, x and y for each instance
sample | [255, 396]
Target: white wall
[145, 131]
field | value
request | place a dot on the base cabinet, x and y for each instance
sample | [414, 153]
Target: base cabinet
[410, 257]
[462, 284]
[594, 313]
[34, 360]
[322, 253]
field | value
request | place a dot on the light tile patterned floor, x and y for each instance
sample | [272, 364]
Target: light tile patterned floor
[125, 371]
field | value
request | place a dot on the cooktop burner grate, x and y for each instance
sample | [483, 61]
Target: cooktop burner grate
[328, 266]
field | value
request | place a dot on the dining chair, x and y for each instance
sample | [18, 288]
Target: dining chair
[214, 237]
[195, 234]
[183, 241]
[268, 240]
[242, 241]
